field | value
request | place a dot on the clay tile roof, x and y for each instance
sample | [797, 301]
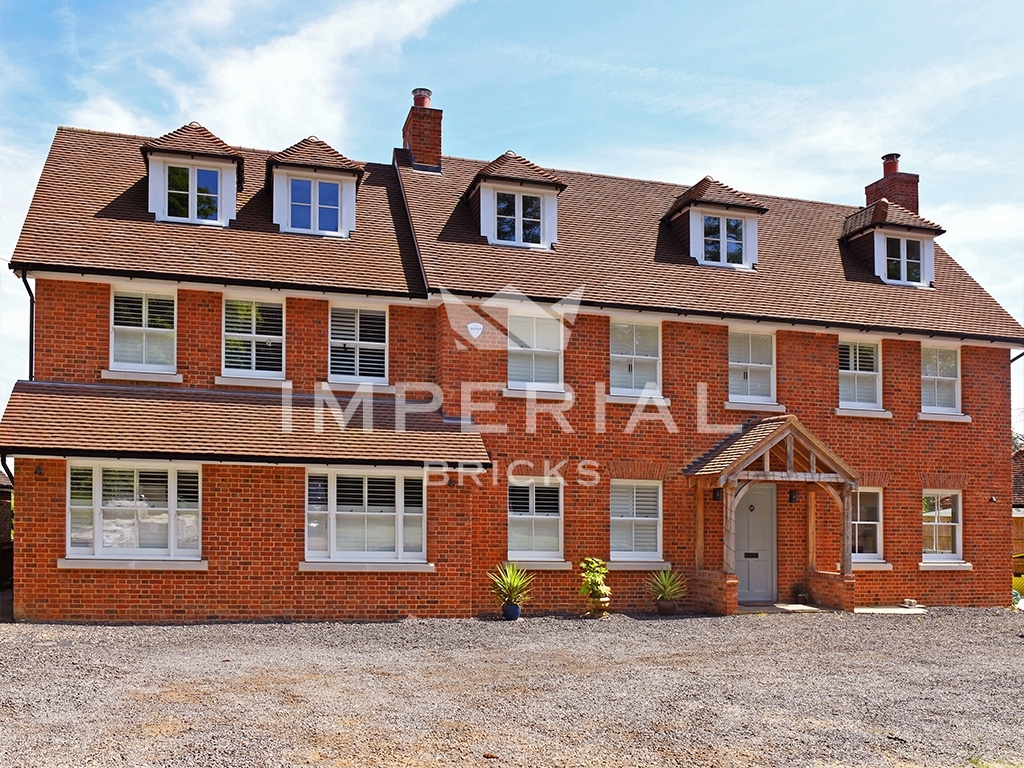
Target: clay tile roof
[1018, 478]
[512, 167]
[314, 153]
[5, 481]
[194, 139]
[884, 213]
[131, 422]
[712, 192]
[106, 227]
[720, 457]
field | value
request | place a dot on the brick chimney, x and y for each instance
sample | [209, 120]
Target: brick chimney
[421, 134]
[894, 186]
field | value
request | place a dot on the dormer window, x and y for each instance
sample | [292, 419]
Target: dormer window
[518, 218]
[314, 189]
[192, 193]
[314, 205]
[200, 191]
[903, 259]
[723, 238]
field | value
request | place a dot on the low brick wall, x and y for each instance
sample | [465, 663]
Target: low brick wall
[715, 592]
[831, 590]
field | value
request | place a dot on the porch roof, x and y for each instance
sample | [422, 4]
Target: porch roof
[774, 449]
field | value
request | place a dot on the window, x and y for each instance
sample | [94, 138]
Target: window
[903, 260]
[142, 335]
[940, 380]
[314, 205]
[361, 517]
[636, 521]
[133, 512]
[359, 345]
[634, 359]
[534, 353]
[940, 511]
[534, 519]
[518, 218]
[859, 379]
[867, 525]
[723, 240]
[751, 367]
[193, 193]
[253, 338]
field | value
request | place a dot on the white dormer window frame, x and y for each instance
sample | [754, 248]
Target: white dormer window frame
[160, 177]
[887, 241]
[726, 237]
[489, 215]
[284, 205]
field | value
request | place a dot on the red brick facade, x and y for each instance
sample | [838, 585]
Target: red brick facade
[253, 517]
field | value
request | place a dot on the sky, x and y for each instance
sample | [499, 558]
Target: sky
[787, 98]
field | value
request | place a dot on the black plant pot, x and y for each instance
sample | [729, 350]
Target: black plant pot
[511, 611]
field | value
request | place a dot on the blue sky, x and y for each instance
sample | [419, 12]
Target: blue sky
[790, 98]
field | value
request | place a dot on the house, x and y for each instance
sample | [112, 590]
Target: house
[6, 526]
[281, 384]
[1018, 482]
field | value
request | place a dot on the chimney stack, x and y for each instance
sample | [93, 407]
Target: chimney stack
[421, 134]
[895, 186]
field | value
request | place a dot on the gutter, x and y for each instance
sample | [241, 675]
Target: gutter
[7, 470]
[1015, 359]
[31, 334]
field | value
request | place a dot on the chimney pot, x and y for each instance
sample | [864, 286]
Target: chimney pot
[890, 164]
[421, 97]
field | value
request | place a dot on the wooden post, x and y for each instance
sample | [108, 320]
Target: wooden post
[699, 551]
[729, 529]
[847, 560]
[812, 544]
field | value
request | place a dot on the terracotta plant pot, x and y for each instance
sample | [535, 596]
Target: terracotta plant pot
[665, 607]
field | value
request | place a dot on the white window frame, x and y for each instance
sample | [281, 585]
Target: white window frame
[399, 554]
[252, 373]
[881, 258]
[548, 214]
[226, 192]
[283, 198]
[772, 398]
[958, 555]
[876, 405]
[331, 343]
[868, 557]
[532, 483]
[546, 386]
[957, 408]
[633, 555]
[146, 294]
[697, 215]
[98, 552]
[613, 356]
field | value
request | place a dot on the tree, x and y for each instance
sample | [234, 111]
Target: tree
[1018, 440]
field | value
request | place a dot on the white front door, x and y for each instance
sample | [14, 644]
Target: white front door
[755, 544]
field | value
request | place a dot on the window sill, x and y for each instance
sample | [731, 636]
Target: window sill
[352, 386]
[656, 400]
[871, 565]
[537, 394]
[939, 565]
[166, 378]
[543, 565]
[516, 244]
[864, 413]
[192, 222]
[638, 565]
[313, 232]
[253, 381]
[112, 564]
[726, 265]
[732, 405]
[960, 418]
[329, 566]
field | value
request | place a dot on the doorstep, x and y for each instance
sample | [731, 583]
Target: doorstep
[745, 608]
[893, 610]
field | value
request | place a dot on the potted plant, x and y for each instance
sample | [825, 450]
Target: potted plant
[592, 575]
[801, 595]
[511, 585]
[665, 588]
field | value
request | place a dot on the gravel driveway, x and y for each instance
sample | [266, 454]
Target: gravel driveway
[775, 690]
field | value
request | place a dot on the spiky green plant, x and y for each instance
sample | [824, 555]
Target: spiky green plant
[510, 583]
[666, 585]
